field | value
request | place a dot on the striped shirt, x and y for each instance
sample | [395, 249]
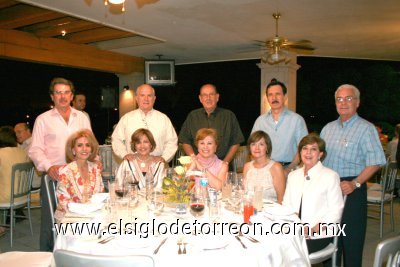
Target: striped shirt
[351, 146]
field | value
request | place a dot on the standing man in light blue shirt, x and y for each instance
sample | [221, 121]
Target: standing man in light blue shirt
[285, 128]
[355, 152]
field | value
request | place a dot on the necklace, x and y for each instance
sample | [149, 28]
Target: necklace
[142, 163]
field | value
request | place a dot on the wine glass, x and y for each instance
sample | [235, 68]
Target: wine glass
[235, 199]
[155, 202]
[196, 205]
[120, 190]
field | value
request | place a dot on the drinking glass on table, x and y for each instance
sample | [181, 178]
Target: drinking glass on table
[132, 194]
[236, 199]
[226, 189]
[155, 202]
[258, 197]
[197, 205]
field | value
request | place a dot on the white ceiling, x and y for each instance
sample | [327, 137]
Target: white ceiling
[214, 30]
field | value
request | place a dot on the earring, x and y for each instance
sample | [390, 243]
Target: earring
[73, 153]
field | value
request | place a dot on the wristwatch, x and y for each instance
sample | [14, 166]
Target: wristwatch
[357, 183]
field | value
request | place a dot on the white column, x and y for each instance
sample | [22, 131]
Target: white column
[127, 97]
[286, 73]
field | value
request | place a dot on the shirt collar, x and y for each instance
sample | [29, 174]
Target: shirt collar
[349, 121]
[54, 112]
[144, 114]
[214, 113]
[315, 169]
[285, 111]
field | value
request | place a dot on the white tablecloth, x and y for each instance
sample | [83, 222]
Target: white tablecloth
[272, 250]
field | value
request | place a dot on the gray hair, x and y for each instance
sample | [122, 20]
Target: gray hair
[144, 85]
[349, 86]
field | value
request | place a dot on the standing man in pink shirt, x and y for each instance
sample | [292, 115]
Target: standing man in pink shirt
[50, 133]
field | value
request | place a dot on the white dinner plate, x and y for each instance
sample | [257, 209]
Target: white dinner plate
[278, 210]
[212, 241]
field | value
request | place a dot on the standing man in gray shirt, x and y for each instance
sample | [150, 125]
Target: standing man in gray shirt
[211, 116]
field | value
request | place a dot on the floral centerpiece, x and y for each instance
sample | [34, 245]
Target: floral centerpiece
[177, 187]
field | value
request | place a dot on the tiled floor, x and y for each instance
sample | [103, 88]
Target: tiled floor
[24, 241]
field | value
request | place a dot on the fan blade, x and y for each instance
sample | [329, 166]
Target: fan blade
[299, 46]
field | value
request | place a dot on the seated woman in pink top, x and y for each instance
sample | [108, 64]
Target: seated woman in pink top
[215, 170]
[81, 178]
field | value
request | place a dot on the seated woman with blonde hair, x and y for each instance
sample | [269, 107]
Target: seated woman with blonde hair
[81, 177]
[262, 170]
[206, 160]
[143, 164]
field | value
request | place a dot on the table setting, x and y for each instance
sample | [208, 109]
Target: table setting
[146, 224]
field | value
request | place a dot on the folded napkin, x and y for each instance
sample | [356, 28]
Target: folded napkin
[84, 208]
[278, 210]
[99, 197]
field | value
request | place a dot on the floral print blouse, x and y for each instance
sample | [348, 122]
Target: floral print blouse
[71, 186]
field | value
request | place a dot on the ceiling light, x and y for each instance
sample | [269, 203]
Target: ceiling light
[116, 2]
[274, 56]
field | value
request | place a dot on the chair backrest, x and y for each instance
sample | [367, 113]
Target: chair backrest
[69, 258]
[50, 188]
[108, 160]
[386, 250]
[390, 177]
[240, 158]
[21, 181]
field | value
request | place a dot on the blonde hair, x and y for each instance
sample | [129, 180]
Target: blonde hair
[94, 145]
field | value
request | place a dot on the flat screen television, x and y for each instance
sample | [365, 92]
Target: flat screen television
[160, 72]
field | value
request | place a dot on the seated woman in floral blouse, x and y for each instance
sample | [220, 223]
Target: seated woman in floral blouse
[81, 178]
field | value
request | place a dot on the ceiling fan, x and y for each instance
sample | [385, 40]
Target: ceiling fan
[278, 46]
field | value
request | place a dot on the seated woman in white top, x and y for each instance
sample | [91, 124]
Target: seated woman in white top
[262, 170]
[135, 171]
[215, 170]
[314, 191]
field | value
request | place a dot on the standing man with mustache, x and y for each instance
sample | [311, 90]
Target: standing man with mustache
[50, 133]
[145, 117]
[285, 128]
[210, 116]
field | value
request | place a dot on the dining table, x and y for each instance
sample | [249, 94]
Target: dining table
[183, 239]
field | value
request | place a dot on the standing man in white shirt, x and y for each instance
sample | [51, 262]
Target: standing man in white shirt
[50, 133]
[145, 117]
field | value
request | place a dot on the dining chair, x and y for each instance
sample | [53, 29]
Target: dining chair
[240, 158]
[21, 182]
[64, 258]
[50, 188]
[327, 252]
[385, 195]
[386, 251]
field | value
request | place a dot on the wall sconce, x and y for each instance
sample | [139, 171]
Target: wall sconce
[126, 87]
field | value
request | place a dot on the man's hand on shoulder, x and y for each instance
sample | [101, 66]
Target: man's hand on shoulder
[129, 157]
[53, 172]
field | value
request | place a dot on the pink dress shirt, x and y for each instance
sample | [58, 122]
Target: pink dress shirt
[50, 135]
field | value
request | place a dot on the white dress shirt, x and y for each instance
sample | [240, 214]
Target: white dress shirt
[159, 125]
[50, 135]
[322, 197]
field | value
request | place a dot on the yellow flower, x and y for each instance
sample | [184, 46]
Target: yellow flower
[179, 170]
[185, 160]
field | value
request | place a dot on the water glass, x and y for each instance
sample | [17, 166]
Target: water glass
[232, 178]
[226, 190]
[111, 189]
[132, 194]
[236, 199]
[149, 184]
[214, 211]
[155, 202]
[258, 197]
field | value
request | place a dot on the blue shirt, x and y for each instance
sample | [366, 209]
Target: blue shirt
[351, 146]
[285, 135]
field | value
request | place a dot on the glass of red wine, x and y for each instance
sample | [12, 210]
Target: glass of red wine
[120, 190]
[197, 204]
